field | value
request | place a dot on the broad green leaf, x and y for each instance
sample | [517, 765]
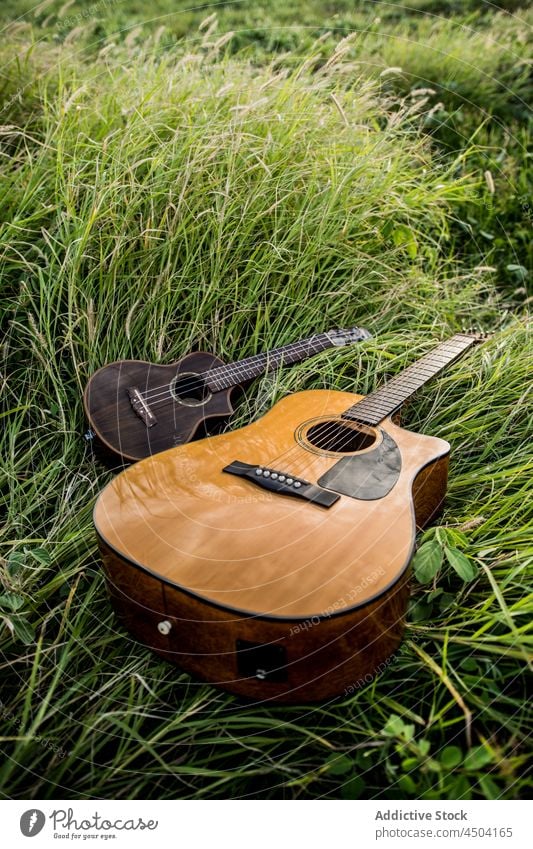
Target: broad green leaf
[353, 788]
[404, 237]
[11, 601]
[394, 725]
[450, 757]
[519, 270]
[424, 746]
[459, 788]
[406, 783]
[419, 611]
[339, 764]
[462, 564]
[477, 758]
[42, 555]
[489, 787]
[15, 563]
[23, 631]
[427, 561]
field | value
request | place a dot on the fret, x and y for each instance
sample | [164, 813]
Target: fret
[231, 374]
[389, 397]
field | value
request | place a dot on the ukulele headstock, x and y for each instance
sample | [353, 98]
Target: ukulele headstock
[340, 337]
[476, 335]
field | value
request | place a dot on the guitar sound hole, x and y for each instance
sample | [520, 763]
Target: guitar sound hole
[338, 437]
[189, 389]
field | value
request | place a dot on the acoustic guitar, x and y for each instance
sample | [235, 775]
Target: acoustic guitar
[273, 560]
[136, 408]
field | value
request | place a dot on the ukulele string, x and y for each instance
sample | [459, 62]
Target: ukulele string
[237, 370]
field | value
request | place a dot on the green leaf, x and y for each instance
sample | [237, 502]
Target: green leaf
[477, 758]
[451, 757]
[11, 601]
[394, 725]
[519, 270]
[15, 563]
[23, 631]
[462, 564]
[42, 555]
[406, 783]
[404, 237]
[419, 611]
[339, 764]
[427, 561]
[446, 601]
[353, 788]
[489, 787]
[459, 788]
[424, 746]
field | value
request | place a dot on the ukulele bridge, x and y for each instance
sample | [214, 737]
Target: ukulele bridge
[282, 483]
[140, 407]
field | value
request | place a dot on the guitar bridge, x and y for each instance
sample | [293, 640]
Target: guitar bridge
[282, 483]
[140, 407]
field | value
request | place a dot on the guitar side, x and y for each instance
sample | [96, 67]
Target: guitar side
[123, 433]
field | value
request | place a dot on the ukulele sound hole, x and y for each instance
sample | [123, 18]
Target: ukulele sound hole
[339, 438]
[189, 389]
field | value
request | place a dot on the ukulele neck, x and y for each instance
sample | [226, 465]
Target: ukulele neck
[232, 374]
[385, 401]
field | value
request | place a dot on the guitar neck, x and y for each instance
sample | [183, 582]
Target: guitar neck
[383, 402]
[226, 376]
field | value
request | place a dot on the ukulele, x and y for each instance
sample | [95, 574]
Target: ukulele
[136, 408]
[273, 560]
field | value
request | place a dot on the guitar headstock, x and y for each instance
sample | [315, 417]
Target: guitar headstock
[339, 337]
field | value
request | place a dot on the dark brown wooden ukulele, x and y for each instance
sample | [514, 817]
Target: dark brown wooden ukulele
[137, 408]
[273, 560]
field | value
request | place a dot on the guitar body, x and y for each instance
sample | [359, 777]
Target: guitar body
[293, 592]
[176, 396]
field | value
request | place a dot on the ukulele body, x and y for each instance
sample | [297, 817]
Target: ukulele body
[179, 402]
[268, 594]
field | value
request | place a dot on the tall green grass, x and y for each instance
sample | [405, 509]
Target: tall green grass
[157, 200]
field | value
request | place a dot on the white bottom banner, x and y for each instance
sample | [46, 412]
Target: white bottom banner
[266, 824]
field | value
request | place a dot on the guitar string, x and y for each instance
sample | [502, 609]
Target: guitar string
[239, 369]
[337, 418]
[219, 372]
[241, 373]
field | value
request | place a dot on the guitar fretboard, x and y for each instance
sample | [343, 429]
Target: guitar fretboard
[386, 400]
[232, 374]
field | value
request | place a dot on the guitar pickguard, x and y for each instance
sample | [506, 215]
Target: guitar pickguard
[366, 476]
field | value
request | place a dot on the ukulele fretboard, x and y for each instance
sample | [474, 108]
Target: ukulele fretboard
[386, 400]
[232, 374]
